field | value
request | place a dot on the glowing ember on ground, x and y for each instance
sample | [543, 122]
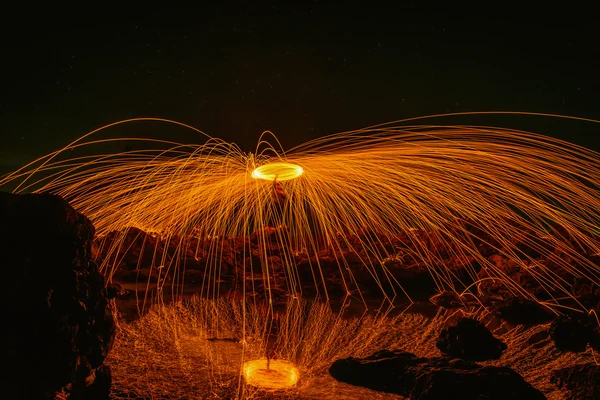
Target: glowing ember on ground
[280, 171]
[279, 374]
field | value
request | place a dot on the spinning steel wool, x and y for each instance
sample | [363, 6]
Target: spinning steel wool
[366, 197]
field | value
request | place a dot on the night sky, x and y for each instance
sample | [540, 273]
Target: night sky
[234, 70]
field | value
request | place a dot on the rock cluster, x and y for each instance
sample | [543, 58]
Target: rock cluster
[348, 265]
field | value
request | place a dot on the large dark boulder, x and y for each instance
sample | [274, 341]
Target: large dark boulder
[405, 374]
[582, 382]
[520, 311]
[470, 340]
[57, 327]
[574, 333]
[489, 383]
[385, 371]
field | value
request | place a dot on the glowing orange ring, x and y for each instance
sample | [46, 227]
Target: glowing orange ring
[280, 374]
[280, 171]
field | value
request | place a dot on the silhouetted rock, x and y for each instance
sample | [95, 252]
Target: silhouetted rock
[99, 389]
[582, 381]
[115, 290]
[405, 374]
[385, 371]
[470, 340]
[490, 383]
[414, 278]
[574, 334]
[57, 327]
[519, 311]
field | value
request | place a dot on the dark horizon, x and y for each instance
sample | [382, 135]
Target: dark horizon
[235, 70]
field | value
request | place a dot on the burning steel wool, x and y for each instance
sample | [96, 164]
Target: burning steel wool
[365, 197]
[277, 171]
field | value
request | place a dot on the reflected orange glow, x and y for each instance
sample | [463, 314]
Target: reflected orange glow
[278, 374]
[280, 171]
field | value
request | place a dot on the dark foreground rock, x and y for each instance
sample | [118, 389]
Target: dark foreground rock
[470, 340]
[405, 374]
[581, 381]
[488, 383]
[574, 333]
[519, 311]
[57, 327]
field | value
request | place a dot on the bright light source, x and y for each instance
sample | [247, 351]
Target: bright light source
[280, 171]
[278, 374]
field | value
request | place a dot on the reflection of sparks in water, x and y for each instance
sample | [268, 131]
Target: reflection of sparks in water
[271, 374]
[167, 350]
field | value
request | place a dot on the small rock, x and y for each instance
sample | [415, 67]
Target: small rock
[574, 334]
[384, 371]
[519, 311]
[470, 340]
